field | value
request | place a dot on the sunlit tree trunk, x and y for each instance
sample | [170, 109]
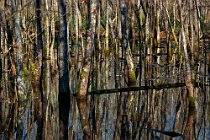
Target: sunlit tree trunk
[64, 95]
[97, 50]
[53, 59]
[78, 22]
[106, 46]
[126, 50]
[188, 76]
[147, 48]
[78, 32]
[18, 40]
[84, 75]
[1, 39]
[46, 74]
[192, 34]
[157, 28]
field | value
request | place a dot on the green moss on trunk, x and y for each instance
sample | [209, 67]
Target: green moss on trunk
[33, 69]
[83, 74]
[191, 100]
[131, 79]
[106, 52]
[26, 73]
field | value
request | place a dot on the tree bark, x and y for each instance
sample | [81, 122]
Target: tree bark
[183, 44]
[18, 42]
[39, 48]
[39, 64]
[64, 96]
[84, 75]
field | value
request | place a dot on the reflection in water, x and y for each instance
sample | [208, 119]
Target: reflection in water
[168, 113]
[145, 114]
[115, 118]
[189, 128]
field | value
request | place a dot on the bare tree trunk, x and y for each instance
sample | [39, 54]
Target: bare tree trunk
[1, 41]
[38, 63]
[84, 75]
[64, 95]
[53, 34]
[18, 42]
[106, 46]
[1, 60]
[157, 28]
[46, 75]
[39, 47]
[188, 76]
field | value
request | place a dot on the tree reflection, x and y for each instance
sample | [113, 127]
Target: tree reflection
[189, 132]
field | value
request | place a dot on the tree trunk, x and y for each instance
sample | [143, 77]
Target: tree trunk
[84, 75]
[39, 65]
[18, 42]
[46, 75]
[183, 43]
[189, 133]
[39, 47]
[64, 96]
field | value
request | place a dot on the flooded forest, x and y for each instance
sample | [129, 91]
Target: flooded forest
[104, 69]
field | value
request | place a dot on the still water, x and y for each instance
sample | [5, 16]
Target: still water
[143, 114]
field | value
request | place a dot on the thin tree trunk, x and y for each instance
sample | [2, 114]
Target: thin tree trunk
[1, 40]
[106, 46]
[39, 47]
[157, 28]
[18, 41]
[1, 60]
[188, 76]
[53, 32]
[38, 63]
[46, 78]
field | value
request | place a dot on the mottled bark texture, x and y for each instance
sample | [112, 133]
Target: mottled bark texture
[84, 75]
[185, 54]
[18, 42]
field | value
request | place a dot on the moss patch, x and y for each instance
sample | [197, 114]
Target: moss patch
[191, 98]
[83, 74]
[26, 73]
[131, 78]
[33, 69]
[83, 123]
[106, 52]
